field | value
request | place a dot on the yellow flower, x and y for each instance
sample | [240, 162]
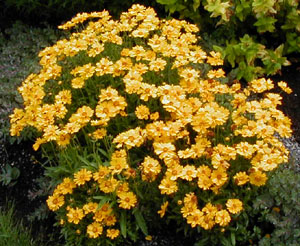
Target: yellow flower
[108, 185]
[222, 218]
[219, 176]
[259, 85]
[216, 73]
[194, 219]
[102, 213]
[241, 178]
[67, 186]
[168, 186]
[64, 96]
[284, 87]
[112, 233]
[142, 112]
[148, 238]
[151, 165]
[75, 215]
[188, 173]
[245, 149]
[94, 230]
[163, 208]
[258, 178]
[174, 171]
[234, 206]
[164, 150]
[204, 182]
[99, 133]
[127, 200]
[102, 172]
[131, 138]
[214, 59]
[90, 207]
[118, 162]
[55, 202]
[82, 176]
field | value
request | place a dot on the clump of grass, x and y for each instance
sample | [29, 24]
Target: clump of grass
[12, 231]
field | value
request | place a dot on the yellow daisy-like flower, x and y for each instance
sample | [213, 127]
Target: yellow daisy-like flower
[90, 207]
[168, 186]
[142, 112]
[66, 187]
[194, 219]
[94, 230]
[188, 173]
[258, 178]
[127, 200]
[219, 176]
[284, 87]
[81, 177]
[163, 208]
[222, 218]
[99, 133]
[241, 178]
[75, 215]
[234, 206]
[112, 233]
[55, 202]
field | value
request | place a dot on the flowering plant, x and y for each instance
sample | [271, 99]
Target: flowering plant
[159, 122]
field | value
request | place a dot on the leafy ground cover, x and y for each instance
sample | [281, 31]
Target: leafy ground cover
[25, 190]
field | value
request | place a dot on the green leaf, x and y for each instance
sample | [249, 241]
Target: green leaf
[140, 221]
[225, 242]
[265, 24]
[85, 161]
[233, 241]
[123, 226]
[103, 152]
[196, 4]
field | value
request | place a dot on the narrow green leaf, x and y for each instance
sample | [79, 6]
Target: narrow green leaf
[85, 161]
[123, 226]
[103, 152]
[233, 241]
[140, 221]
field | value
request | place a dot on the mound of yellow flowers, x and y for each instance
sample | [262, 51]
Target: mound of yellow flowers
[146, 83]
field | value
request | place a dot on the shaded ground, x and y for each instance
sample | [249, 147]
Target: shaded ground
[291, 103]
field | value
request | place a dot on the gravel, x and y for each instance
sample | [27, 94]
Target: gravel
[294, 147]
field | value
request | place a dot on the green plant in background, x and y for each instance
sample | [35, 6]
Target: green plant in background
[9, 175]
[12, 232]
[280, 206]
[141, 125]
[254, 36]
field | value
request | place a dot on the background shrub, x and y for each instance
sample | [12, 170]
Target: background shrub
[253, 36]
[280, 205]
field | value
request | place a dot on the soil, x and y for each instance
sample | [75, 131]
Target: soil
[291, 102]
[28, 196]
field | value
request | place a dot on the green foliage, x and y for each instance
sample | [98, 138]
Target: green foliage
[9, 175]
[281, 208]
[13, 232]
[253, 36]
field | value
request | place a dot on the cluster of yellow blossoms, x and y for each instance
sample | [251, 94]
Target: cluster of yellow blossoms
[101, 216]
[202, 132]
